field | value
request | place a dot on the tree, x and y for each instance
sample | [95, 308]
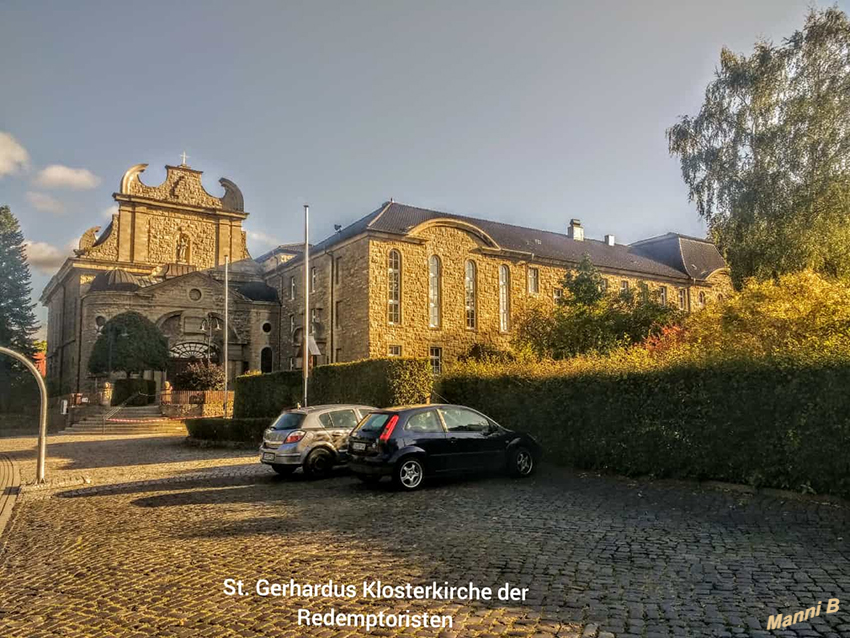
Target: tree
[129, 343]
[767, 158]
[587, 319]
[17, 318]
[200, 376]
[585, 286]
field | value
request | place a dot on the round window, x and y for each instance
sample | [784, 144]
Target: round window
[195, 294]
[267, 327]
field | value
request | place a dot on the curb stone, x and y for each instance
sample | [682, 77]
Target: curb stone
[10, 487]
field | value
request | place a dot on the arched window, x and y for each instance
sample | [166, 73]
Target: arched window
[471, 287]
[435, 285]
[504, 298]
[702, 299]
[266, 360]
[394, 291]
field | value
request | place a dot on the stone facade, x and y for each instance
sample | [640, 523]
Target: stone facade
[163, 253]
[163, 237]
[352, 289]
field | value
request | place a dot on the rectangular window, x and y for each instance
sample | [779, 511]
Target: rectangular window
[338, 314]
[292, 363]
[394, 351]
[292, 288]
[338, 355]
[313, 279]
[624, 286]
[337, 269]
[533, 281]
[662, 295]
[436, 357]
[644, 291]
[558, 294]
[683, 297]
[291, 325]
[471, 290]
[314, 318]
[603, 285]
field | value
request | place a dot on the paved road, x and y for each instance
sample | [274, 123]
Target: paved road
[146, 553]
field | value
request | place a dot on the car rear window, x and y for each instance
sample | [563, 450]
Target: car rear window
[374, 423]
[288, 421]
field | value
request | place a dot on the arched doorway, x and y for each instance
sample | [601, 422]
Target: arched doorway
[266, 360]
[182, 354]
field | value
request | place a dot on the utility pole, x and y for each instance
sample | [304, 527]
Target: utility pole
[226, 325]
[305, 359]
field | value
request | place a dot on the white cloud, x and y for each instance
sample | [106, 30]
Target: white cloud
[109, 212]
[46, 203]
[262, 238]
[13, 156]
[44, 257]
[58, 176]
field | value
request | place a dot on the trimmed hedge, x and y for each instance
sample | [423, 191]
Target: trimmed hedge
[766, 423]
[220, 429]
[122, 389]
[379, 382]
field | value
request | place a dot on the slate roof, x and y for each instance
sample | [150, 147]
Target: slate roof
[256, 291]
[115, 280]
[658, 258]
[696, 257]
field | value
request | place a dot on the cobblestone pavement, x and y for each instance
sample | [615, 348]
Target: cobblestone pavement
[148, 555]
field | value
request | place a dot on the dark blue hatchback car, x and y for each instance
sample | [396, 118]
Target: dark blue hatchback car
[414, 442]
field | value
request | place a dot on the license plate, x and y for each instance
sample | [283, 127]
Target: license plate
[268, 456]
[358, 446]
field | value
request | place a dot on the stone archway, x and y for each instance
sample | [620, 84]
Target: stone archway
[182, 354]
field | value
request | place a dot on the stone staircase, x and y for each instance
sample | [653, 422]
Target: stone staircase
[146, 420]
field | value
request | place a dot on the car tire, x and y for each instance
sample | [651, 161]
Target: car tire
[521, 462]
[319, 463]
[409, 473]
[284, 470]
[369, 479]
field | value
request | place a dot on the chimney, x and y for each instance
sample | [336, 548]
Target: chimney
[609, 239]
[575, 231]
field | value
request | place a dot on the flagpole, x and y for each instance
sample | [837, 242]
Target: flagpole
[226, 326]
[305, 357]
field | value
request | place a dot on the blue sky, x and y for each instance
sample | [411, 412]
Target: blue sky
[525, 112]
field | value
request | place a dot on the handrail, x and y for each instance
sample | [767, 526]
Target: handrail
[115, 411]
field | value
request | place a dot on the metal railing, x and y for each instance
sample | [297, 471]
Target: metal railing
[115, 410]
[195, 397]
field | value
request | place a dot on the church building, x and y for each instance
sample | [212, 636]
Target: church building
[401, 281]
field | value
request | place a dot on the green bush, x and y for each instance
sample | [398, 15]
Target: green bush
[266, 395]
[218, 429]
[200, 376]
[378, 382]
[773, 422]
[123, 389]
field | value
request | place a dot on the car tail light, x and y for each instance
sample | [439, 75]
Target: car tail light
[388, 429]
[294, 437]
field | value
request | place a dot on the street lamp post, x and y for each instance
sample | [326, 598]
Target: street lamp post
[226, 326]
[42, 421]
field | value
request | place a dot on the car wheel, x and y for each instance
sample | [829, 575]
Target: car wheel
[409, 473]
[319, 463]
[284, 470]
[521, 462]
[371, 479]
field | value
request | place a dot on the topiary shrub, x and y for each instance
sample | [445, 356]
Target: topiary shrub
[123, 389]
[378, 382]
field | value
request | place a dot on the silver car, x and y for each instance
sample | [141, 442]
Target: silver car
[314, 438]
